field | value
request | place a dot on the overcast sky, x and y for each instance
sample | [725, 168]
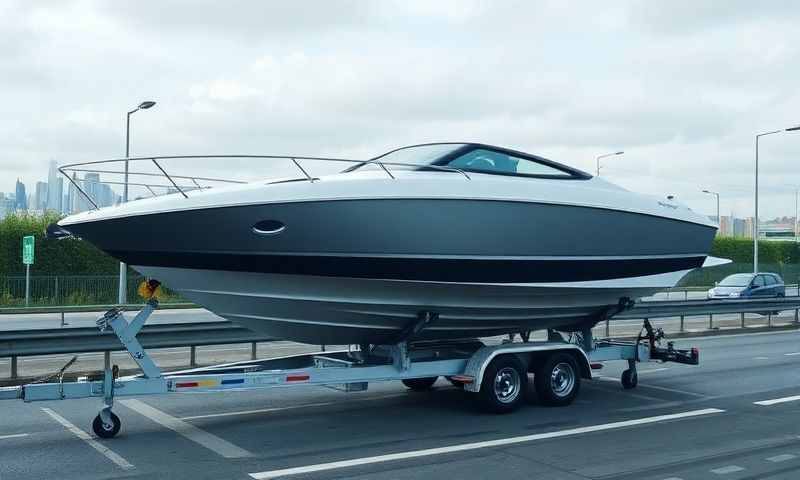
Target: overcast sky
[681, 86]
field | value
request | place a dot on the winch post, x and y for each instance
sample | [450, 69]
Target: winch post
[126, 333]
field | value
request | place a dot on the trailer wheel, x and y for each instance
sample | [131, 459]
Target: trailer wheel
[504, 384]
[420, 384]
[629, 379]
[104, 430]
[557, 381]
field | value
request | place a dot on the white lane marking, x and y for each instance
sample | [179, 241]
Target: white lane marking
[673, 478]
[201, 437]
[15, 435]
[792, 354]
[774, 401]
[672, 390]
[651, 370]
[781, 458]
[291, 407]
[760, 358]
[727, 470]
[107, 452]
[478, 445]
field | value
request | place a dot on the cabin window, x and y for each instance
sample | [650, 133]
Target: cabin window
[489, 161]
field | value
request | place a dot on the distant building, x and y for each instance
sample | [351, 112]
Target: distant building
[739, 227]
[776, 231]
[725, 227]
[20, 196]
[55, 188]
[40, 197]
[7, 207]
[748, 227]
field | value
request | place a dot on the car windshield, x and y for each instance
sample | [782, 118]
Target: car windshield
[738, 280]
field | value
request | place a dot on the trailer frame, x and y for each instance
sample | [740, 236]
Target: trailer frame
[496, 373]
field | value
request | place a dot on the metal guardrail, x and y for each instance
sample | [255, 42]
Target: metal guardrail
[21, 343]
[677, 308]
[91, 339]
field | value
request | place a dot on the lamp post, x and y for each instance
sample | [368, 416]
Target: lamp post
[755, 219]
[604, 156]
[716, 194]
[123, 269]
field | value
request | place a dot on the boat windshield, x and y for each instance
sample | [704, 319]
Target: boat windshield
[420, 155]
[470, 158]
[737, 280]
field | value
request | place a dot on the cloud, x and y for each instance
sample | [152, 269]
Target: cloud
[682, 87]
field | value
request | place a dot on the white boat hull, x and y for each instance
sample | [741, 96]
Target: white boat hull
[325, 310]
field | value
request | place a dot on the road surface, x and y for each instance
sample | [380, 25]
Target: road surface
[735, 416]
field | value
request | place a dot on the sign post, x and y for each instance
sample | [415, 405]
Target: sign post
[27, 259]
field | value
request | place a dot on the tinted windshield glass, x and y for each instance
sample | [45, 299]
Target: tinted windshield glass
[490, 161]
[738, 280]
[420, 155]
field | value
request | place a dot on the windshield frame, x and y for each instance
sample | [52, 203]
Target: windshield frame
[569, 172]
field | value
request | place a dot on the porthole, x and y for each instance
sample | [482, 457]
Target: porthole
[269, 227]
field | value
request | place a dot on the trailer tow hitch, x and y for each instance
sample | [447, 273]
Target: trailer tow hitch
[689, 356]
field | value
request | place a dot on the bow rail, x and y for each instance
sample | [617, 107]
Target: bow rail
[183, 184]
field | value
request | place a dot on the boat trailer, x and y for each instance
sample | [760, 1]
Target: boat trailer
[497, 375]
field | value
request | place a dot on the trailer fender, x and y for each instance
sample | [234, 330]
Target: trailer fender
[476, 366]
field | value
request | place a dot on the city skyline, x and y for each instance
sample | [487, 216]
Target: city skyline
[49, 196]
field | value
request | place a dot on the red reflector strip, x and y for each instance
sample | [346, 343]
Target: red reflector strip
[596, 366]
[186, 384]
[298, 377]
[463, 378]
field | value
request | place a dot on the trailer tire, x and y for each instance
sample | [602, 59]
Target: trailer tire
[504, 384]
[629, 379]
[557, 380]
[420, 384]
[106, 431]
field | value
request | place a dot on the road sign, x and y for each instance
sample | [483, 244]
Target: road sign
[27, 250]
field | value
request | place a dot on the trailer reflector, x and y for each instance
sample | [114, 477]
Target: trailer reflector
[463, 378]
[198, 383]
[596, 366]
[298, 377]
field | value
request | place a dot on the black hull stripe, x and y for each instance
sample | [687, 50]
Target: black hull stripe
[420, 269]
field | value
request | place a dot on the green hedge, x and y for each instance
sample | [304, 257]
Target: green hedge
[52, 257]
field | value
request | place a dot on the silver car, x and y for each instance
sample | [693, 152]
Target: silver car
[746, 285]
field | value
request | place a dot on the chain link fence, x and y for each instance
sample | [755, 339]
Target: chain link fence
[71, 290]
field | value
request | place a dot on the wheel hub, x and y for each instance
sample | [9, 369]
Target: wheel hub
[506, 385]
[562, 379]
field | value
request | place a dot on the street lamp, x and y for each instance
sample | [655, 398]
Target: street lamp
[755, 219]
[604, 156]
[716, 194]
[123, 269]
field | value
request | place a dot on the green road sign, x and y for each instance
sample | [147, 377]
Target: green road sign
[27, 250]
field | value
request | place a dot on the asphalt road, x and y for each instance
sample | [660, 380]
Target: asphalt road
[681, 422]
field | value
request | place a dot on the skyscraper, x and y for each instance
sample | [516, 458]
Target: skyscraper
[55, 188]
[41, 196]
[21, 196]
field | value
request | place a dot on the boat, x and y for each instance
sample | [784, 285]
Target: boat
[479, 240]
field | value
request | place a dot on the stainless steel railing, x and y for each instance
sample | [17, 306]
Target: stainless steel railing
[178, 183]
